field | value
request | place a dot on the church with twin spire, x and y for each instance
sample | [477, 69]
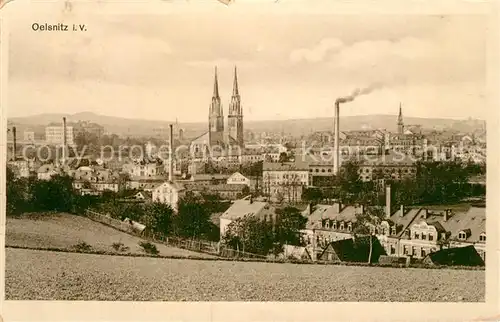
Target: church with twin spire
[217, 134]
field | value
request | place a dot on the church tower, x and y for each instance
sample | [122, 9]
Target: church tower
[235, 117]
[401, 127]
[216, 117]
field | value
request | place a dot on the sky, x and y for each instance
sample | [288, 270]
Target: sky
[161, 67]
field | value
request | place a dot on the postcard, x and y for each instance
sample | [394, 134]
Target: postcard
[228, 160]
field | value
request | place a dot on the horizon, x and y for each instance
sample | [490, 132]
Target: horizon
[246, 121]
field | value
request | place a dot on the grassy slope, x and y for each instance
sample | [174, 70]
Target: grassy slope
[65, 231]
[40, 275]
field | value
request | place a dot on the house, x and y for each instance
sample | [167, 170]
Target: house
[225, 191]
[456, 256]
[417, 232]
[46, 171]
[391, 166]
[238, 178]
[352, 250]
[285, 181]
[144, 169]
[329, 223]
[208, 179]
[144, 183]
[246, 207]
[169, 193]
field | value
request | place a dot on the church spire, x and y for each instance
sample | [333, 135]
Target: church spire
[400, 120]
[235, 83]
[216, 85]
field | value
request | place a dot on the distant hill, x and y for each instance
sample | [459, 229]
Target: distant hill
[296, 127]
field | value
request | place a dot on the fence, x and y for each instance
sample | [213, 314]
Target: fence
[115, 223]
[201, 246]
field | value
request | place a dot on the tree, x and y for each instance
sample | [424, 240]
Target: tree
[367, 224]
[15, 198]
[312, 194]
[192, 220]
[289, 222]
[250, 234]
[158, 216]
[56, 194]
[349, 182]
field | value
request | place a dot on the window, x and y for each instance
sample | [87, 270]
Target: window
[329, 170]
[424, 236]
[349, 227]
[334, 225]
[417, 236]
[393, 229]
[342, 226]
[422, 252]
[482, 237]
[393, 250]
[431, 237]
[462, 235]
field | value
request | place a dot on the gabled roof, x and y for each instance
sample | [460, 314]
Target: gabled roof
[459, 256]
[243, 207]
[473, 219]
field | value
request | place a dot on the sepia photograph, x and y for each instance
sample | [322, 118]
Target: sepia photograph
[238, 156]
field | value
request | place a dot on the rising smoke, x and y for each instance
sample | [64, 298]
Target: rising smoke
[358, 92]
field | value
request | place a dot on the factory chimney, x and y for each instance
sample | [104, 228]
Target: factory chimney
[388, 202]
[14, 141]
[336, 129]
[171, 156]
[64, 141]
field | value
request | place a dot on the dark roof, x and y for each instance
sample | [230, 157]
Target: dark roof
[459, 256]
[350, 250]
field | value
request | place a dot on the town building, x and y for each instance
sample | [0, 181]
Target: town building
[238, 178]
[391, 166]
[144, 169]
[29, 136]
[285, 181]
[168, 193]
[224, 191]
[46, 172]
[246, 207]
[54, 134]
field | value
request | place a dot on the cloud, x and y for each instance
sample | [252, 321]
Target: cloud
[317, 53]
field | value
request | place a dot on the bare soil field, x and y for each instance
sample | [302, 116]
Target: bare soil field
[45, 275]
[64, 231]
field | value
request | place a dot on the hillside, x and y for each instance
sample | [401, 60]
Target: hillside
[64, 231]
[296, 127]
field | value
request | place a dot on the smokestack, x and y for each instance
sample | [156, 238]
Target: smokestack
[14, 140]
[388, 202]
[64, 141]
[336, 127]
[171, 157]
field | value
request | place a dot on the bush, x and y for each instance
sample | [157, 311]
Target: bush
[120, 247]
[149, 248]
[82, 247]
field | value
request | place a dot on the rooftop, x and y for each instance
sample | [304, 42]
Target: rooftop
[243, 207]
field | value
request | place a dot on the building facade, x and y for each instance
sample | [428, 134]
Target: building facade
[54, 135]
